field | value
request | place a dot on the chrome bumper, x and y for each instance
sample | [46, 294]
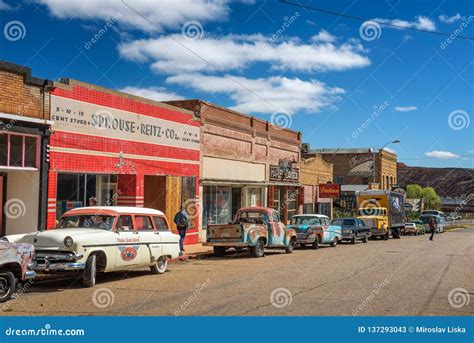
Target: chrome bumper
[61, 266]
[225, 244]
[305, 239]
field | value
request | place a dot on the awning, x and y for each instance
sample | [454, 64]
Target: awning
[363, 169]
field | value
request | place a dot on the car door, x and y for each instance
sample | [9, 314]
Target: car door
[327, 233]
[149, 237]
[362, 230]
[276, 229]
[131, 250]
[169, 242]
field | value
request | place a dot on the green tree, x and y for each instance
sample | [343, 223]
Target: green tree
[431, 198]
[414, 191]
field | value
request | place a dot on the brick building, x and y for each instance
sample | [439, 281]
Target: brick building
[314, 172]
[24, 137]
[353, 169]
[241, 158]
[122, 150]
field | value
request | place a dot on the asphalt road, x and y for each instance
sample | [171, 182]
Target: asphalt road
[410, 276]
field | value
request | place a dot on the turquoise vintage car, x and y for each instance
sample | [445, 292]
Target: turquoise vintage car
[315, 229]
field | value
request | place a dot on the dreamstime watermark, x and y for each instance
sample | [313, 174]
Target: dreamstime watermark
[14, 208]
[376, 111]
[287, 22]
[370, 30]
[369, 207]
[281, 297]
[464, 24]
[373, 293]
[459, 208]
[103, 297]
[193, 208]
[281, 120]
[196, 292]
[459, 297]
[14, 30]
[20, 112]
[103, 120]
[192, 30]
[19, 291]
[108, 25]
[458, 120]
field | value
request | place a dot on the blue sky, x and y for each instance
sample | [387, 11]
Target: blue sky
[343, 83]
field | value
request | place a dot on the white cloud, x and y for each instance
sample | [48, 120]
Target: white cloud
[323, 36]
[443, 155]
[264, 95]
[175, 54]
[154, 93]
[449, 20]
[405, 108]
[4, 6]
[420, 22]
[143, 15]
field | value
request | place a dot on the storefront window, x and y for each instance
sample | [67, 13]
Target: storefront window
[254, 197]
[276, 199]
[292, 203]
[217, 205]
[18, 150]
[74, 190]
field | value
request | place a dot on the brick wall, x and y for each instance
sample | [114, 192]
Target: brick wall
[21, 94]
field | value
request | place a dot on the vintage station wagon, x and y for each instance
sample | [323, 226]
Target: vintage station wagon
[104, 239]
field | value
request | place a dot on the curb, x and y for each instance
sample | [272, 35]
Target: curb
[193, 256]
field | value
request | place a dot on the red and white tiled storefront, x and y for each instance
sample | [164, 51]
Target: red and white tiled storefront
[121, 150]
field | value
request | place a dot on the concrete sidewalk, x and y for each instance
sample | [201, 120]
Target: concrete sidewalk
[195, 251]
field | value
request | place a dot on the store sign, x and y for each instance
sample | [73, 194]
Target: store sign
[91, 119]
[329, 190]
[280, 174]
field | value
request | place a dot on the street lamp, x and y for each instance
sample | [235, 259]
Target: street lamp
[396, 141]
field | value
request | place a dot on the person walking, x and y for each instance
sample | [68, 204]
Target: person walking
[181, 221]
[432, 226]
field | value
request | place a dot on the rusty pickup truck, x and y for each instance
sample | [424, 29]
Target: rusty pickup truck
[16, 264]
[254, 227]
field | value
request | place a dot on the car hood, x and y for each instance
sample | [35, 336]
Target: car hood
[299, 228]
[55, 238]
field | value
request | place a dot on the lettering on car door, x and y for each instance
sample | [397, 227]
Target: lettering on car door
[130, 251]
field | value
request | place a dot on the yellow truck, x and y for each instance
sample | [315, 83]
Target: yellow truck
[383, 211]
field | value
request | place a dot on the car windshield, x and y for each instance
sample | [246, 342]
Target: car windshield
[343, 222]
[372, 211]
[305, 220]
[253, 217]
[92, 221]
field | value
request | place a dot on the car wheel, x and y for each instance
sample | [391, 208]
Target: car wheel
[160, 266]
[386, 236]
[334, 242]
[90, 272]
[365, 239]
[219, 251]
[353, 238]
[291, 245]
[315, 244]
[7, 286]
[259, 249]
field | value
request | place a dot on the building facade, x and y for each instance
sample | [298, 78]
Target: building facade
[242, 160]
[24, 138]
[357, 170]
[315, 172]
[121, 150]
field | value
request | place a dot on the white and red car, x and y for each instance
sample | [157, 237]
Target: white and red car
[104, 239]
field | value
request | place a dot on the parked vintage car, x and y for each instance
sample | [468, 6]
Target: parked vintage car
[104, 239]
[421, 227]
[254, 227]
[353, 229]
[16, 264]
[315, 229]
[413, 229]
